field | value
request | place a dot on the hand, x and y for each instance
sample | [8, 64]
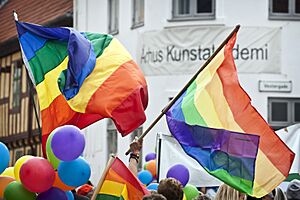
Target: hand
[136, 146]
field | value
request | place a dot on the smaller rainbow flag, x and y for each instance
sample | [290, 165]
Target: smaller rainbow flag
[120, 183]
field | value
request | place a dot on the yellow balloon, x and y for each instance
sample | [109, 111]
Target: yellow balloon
[184, 197]
[9, 172]
[19, 164]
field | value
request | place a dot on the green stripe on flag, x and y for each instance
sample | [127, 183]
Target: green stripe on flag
[292, 176]
[47, 58]
[108, 197]
[243, 185]
[190, 112]
[99, 42]
[54, 52]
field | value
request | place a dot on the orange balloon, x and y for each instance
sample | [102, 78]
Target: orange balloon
[151, 167]
[4, 181]
[59, 184]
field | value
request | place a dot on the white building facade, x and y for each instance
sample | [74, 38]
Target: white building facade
[171, 39]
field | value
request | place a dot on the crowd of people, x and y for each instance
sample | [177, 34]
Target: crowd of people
[172, 189]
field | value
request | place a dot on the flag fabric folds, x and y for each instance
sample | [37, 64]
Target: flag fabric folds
[119, 183]
[216, 124]
[81, 78]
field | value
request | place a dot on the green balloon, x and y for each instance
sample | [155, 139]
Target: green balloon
[16, 191]
[190, 192]
[145, 166]
[50, 155]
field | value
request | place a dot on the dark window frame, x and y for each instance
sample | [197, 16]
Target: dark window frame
[291, 15]
[135, 10]
[17, 85]
[192, 15]
[290, 112]
[111, 138]
[113, 29]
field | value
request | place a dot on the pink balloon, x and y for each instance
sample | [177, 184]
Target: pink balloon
[37, 175]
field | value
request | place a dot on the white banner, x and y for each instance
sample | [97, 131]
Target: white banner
[291, 137]
[183, 50]
[171, 154]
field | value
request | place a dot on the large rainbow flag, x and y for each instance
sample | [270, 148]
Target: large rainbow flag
[81, 78]
[120, 184]
[216, 124]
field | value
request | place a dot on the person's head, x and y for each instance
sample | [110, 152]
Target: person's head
[154, 197]
[293, 190]
[226, 192]
[170, 188]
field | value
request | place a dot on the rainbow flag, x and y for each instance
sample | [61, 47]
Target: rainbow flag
[120, 183]
[216, 124]
[81, 78]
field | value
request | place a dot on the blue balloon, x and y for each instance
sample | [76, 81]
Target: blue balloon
[70, 195]
[145, 177]
[51, 194]
[4, 155]
[152, 186]
[74, 173]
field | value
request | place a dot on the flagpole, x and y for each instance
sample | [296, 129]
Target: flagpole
[15, 15]
[100, 183]
[187, 85]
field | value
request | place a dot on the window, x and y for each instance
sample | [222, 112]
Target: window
[113, 10]
[283, 112]
[16, 101]
[138, 13]
[18, 154]
[112, 138]
[3, 2]
[193, 9]
[284, 9]
[137, 133]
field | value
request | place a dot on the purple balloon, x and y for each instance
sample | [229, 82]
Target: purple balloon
[179, 172]
[52, 193]
[67, 143]
[150, 156]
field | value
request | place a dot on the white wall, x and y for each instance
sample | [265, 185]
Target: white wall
[91, 15]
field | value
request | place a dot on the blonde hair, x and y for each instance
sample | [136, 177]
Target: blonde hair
[226, 192]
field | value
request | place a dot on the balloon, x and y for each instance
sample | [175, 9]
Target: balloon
[152, 186]
[59, 184]
[50, 155]
[145, 177]
[37, 175]
[179, 172]
[74, 173]
[19, 164]
[4, 181]
[145, 165]
[4, 155]
[184, 197]
[151, 167]
[16, 191]
[190, 192]
[9, 172]
[150, 156]
[67, 143]
[52, 194]
[70, 195]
